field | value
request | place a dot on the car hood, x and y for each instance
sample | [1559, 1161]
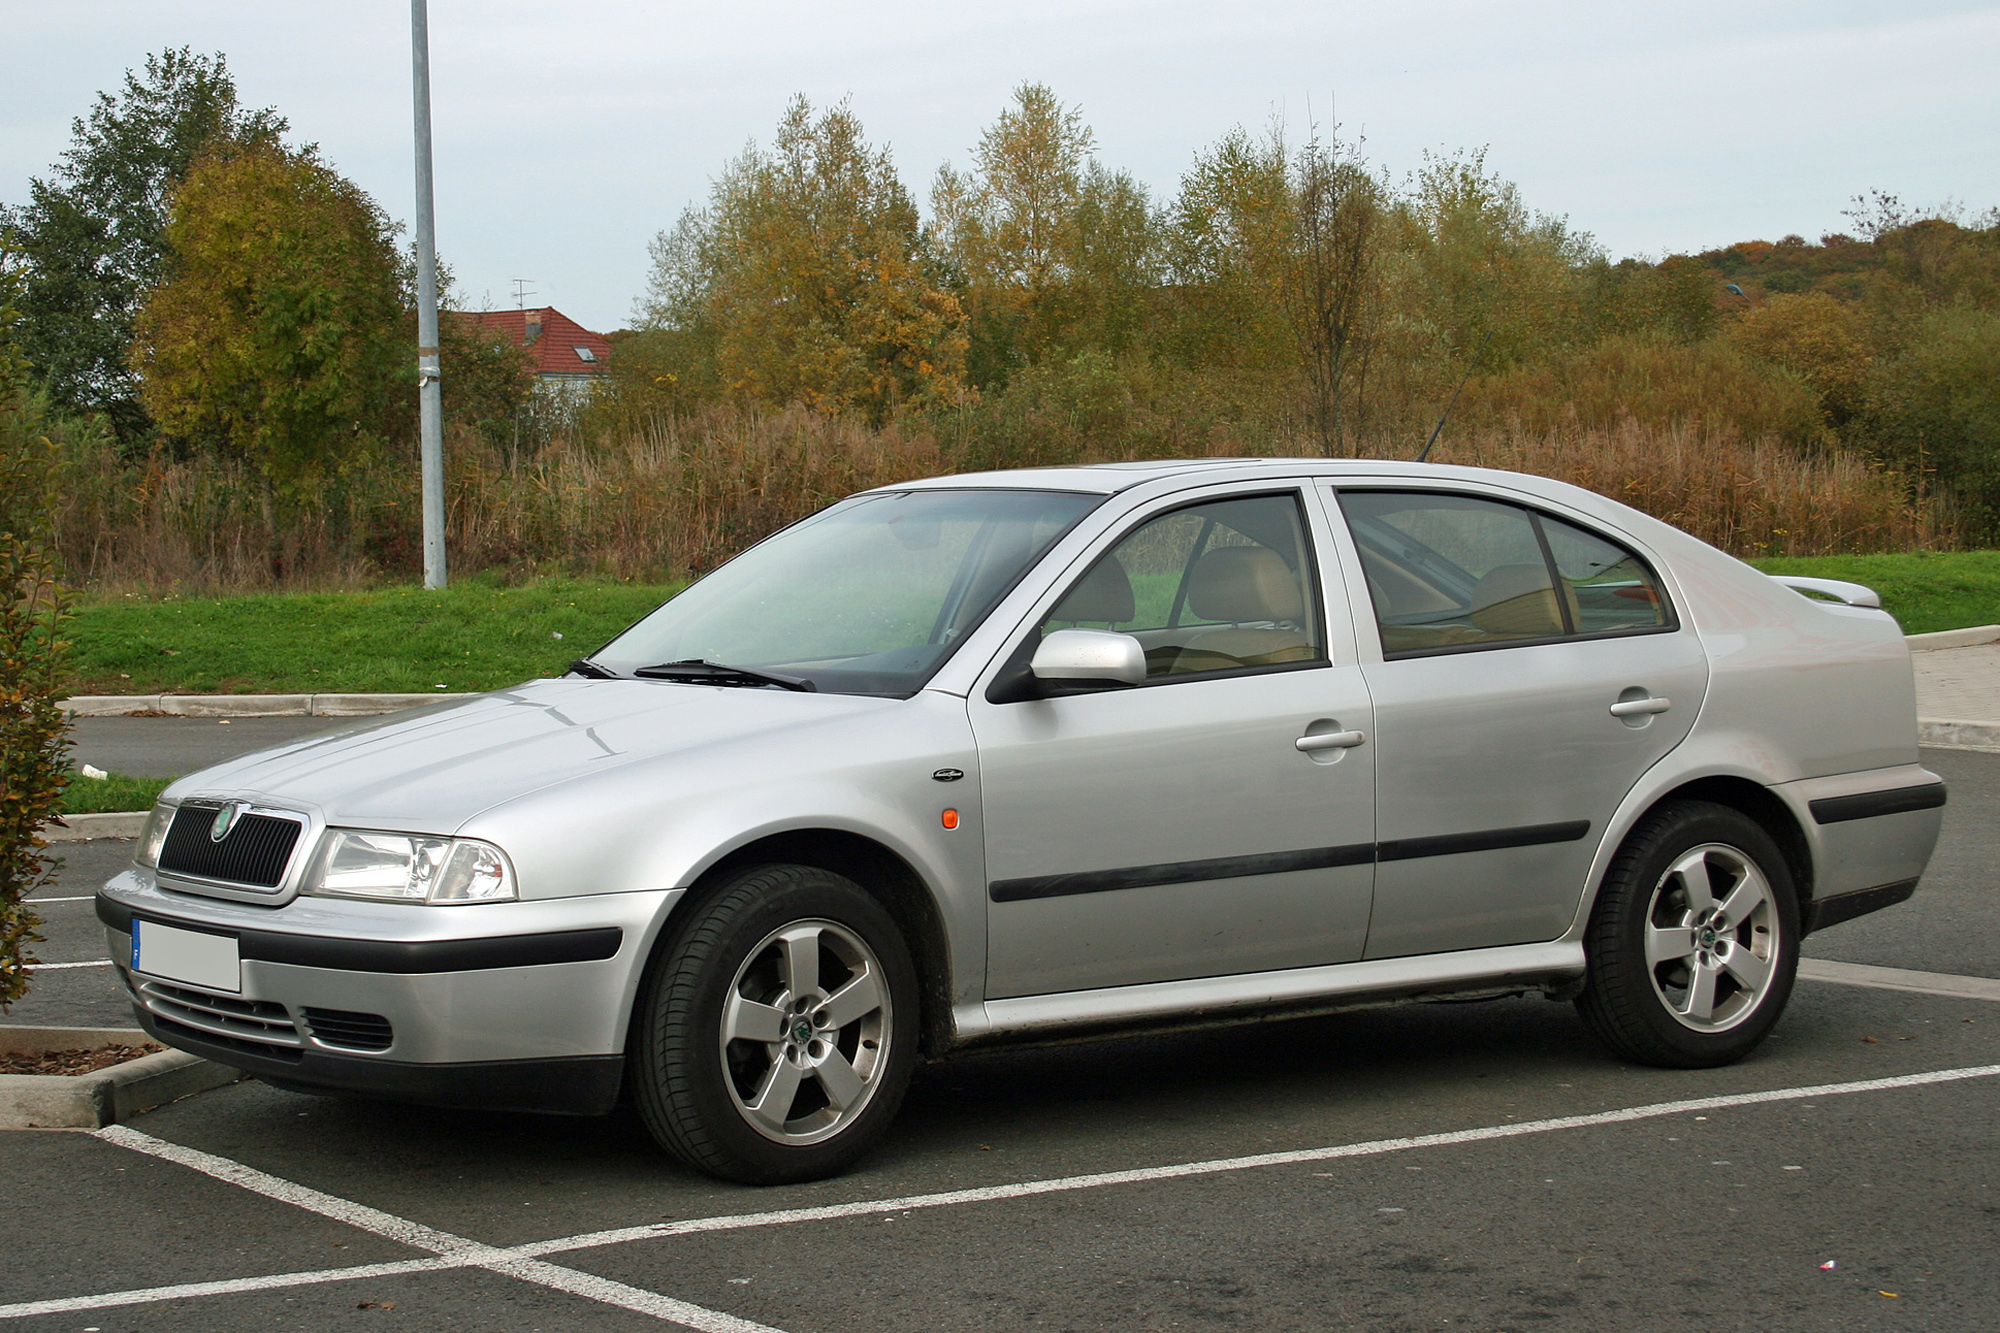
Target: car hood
[433, 769]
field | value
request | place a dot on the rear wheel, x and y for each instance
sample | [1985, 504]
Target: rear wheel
[1693, 943]
[776, 1033]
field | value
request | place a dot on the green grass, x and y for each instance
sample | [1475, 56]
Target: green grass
[115, 794]
[1925, 590]
[477, 636]
[471, 636]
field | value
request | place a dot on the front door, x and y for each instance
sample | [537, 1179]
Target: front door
[1175, 829]
[1532, 671]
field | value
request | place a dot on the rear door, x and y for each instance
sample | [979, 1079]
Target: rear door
[1531, 669]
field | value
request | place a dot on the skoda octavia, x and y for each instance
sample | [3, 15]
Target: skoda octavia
[1042, 753]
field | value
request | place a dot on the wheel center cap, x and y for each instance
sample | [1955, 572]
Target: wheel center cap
[1708, 936]
[802, 1031]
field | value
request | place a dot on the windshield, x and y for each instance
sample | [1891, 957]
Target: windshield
[868, 597]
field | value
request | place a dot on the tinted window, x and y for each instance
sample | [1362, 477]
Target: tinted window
[1213, 587]
[1453, 571]
[1609, 588]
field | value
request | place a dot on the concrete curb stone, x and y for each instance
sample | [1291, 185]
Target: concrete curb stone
[248, 705]
[1950, 734]
[82, 828]
[91, 1101]
[1955, 638]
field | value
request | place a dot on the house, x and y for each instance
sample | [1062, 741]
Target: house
[564, 356]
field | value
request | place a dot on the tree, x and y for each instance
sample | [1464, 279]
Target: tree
[1053, 253]
[1817, 338]
[1337, 207]
[283, 337]
[94, 235]
[805, 279]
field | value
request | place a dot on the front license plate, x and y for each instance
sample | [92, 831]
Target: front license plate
[193, 956]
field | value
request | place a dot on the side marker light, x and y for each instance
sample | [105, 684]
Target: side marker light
[949, 819]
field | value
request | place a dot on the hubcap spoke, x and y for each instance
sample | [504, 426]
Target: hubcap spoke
[1750, 971]
[1700, 1004]
[748, 1020]
[1668, 944]
[799, 950]
[838, 1079]
[1692, 872]
[773, 1103]
[1744, 899]
[860, 997]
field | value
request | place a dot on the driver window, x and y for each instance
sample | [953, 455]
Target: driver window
[1213, 587]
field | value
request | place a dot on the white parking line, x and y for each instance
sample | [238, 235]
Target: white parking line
[84, 899]
[466, 1253]
[1896, 978]
[521, 1261]
[1376, 1147]
[56, 967]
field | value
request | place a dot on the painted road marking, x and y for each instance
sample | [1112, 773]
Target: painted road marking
[521, 1260]
[56, 967]
[453, 1251]
[1895, 978]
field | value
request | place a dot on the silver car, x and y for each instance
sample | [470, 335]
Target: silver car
[1033, 754]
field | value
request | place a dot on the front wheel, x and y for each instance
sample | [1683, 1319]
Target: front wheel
[1693, 943]
[776, 1033]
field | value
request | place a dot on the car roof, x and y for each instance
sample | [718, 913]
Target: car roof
[1111, 478]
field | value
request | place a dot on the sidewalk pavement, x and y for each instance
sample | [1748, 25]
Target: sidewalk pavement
[1958, 687]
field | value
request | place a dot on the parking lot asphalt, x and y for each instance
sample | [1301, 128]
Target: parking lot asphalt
[1481, 1166]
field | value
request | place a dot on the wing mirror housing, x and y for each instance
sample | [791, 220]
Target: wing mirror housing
[1089, 657]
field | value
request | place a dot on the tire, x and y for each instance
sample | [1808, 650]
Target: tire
[741, 1072]
[1694, 941]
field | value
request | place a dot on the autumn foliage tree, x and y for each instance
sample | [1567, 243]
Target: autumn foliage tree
[282, 336]
[93, 236]
[804, 279]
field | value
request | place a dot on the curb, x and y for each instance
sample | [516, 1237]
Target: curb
[1950, 734]
[82, 828]
[1955, 638]
[91, 1101]
[248, 705]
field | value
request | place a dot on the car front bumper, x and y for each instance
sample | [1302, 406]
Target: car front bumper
[504, 1006]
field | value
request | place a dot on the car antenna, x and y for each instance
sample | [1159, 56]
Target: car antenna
[1470, 366]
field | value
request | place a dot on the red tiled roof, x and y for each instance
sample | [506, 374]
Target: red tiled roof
[554, 352]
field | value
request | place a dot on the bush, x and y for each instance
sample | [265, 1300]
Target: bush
[32, 735]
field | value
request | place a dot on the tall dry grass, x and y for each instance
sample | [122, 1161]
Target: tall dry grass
[677, 495]
[1748, 497]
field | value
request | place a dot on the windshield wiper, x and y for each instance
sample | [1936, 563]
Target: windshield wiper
[583, 666]
[697, 671]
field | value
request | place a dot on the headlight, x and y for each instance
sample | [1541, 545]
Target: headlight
[154, 835]
[398, 867]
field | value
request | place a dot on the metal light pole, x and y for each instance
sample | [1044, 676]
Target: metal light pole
[430, 398]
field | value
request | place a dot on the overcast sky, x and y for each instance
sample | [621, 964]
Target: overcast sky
[568, 135]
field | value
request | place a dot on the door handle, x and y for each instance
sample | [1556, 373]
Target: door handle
[1638, 707]
[1332, 740]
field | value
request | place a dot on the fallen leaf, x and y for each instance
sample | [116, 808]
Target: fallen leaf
[376, 1305]
[1892, 1295]
[1871, 1039]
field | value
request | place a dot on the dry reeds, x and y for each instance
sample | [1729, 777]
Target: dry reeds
[677, 495]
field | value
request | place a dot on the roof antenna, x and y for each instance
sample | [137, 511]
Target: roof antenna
[1470, 366]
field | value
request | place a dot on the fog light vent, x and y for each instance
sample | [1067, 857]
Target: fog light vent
[342, 1027]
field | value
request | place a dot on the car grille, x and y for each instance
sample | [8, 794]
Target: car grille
[261, 1026]
[340, 1027]
[255, 852]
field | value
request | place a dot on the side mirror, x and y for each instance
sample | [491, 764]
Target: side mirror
[1090, 656]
